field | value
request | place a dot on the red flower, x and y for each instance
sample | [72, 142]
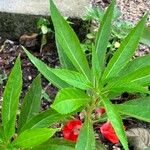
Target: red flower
[108, 132]
[100, 110]
[71, 130]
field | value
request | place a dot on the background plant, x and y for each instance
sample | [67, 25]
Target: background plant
[44, 26]
[45, 29]
[120, 29]
[84, 87]
[3, 77]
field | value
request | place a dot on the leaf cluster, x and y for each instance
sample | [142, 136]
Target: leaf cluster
[32, 126]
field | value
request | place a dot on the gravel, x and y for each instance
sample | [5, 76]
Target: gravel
[131, 10]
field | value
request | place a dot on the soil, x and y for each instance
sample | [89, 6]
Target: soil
[8, 54]
[10, 50]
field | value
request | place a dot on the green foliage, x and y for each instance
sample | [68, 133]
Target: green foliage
[102, 39]
[146, 36]
[86, 138]
[137, 108]
[69, 100]
[81, 85]
[96, 12]
[120, 27]
[3, 77]
[11, 100]
[140, 77]
[44, 26]
[126, 87]
[42, 22]
[33, 126]
[46, 71]
[44, 119]
[33, 137]
[69, 42]
[2, 137]
[125, 51]
[116, 121]
[73, 78]
[56, 144]
[100, 146]
[31, 105]
[64, 60]
[135, 64]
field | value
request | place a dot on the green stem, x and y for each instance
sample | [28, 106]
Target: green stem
[4, 147]
[91, 107]
[100, 120]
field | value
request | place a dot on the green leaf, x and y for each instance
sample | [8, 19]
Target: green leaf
[137, 108]
[145, 39]
[116, 121]
[140, 76]
[73, 78]
[45, 96]
[102, 37]
[95, 65]
[86, 139]
[46, 71]
[69, 100]
[2, 136]
[32, 102]
[64, 60]
[126, 50]
[56, 144]
[11, 99]
[44, 119]
[2, 147]
[100, 146]
[69, 42]
[127, 87]
[135, 64]
[33, 137]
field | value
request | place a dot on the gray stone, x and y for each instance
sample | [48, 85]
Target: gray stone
[19, 17]
[139, 138]
[71, 8]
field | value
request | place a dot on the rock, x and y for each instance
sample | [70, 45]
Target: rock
[139, 138]
[69, 8]
[18, 17]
